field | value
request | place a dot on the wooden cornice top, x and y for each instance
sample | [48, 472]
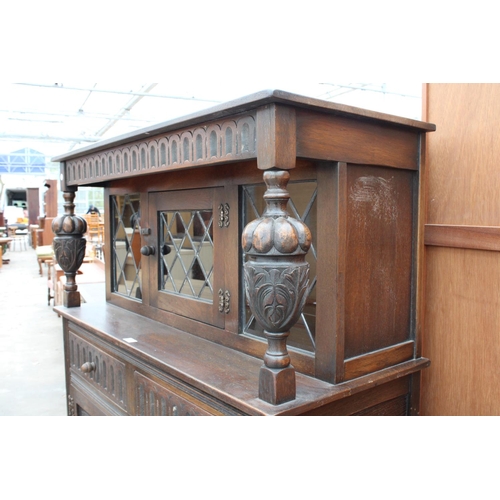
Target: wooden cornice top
[244, 104]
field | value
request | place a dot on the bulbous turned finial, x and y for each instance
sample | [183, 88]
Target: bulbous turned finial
[276, 233]
[69, 225]
[276, 283]
[69, 247]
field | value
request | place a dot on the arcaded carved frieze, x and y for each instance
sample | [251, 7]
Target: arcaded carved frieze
[228, 140]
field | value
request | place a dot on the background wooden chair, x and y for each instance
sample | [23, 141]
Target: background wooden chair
[19, 238]
[44, 254]
[95, 232]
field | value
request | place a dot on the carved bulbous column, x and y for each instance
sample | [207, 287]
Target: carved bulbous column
[276, 283]
[69, 247]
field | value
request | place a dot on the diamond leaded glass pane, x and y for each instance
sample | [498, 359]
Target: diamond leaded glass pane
[126, 245]
[301, 206]
[186, 245]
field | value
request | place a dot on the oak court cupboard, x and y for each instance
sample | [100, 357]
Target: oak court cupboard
[262, 258]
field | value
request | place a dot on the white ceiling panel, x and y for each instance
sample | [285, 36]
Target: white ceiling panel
[54, 118]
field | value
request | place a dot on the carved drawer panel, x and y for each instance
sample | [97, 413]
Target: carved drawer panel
[153, 399]
[99, 369]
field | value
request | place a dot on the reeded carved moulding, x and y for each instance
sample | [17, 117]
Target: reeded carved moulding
[276, 283]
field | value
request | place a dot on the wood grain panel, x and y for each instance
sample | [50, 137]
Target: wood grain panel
[331, 239]
[276, 137]
[397, 407]
[463, 154]
[340, 139]
[472, 237]
[378, 360]
[462, 325]
[462, 278]
[378, 258]
[367, 403]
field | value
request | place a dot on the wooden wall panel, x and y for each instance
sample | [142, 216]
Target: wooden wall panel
[462, 333]
[463, 154]
[462, 258]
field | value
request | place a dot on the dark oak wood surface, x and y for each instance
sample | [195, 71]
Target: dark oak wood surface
[252, 101]
[222, 373]
[379, 256]
[358, 348]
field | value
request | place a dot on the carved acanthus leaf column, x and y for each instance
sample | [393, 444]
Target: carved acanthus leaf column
[276, 283]
[69, 247]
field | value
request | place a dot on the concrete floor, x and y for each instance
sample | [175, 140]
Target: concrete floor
[31, 345]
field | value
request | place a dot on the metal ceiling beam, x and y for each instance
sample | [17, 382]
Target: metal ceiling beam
[50, 138]
[370, 89]
[24, 116]
[143, 94]
[130, 104]
[100, 116]
[341, 89]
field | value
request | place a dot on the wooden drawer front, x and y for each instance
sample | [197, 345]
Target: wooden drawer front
[153, 399]
[108, 375]
[397, 407]
[85, 401]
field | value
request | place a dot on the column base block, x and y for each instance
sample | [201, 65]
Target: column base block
[277, 386]
[71, 299]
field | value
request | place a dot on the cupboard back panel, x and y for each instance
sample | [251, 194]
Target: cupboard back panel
[379, 227]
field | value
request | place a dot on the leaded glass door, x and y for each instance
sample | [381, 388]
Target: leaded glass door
[126, 259]
[188, 266]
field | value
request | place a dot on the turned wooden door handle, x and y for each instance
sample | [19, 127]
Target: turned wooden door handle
[148, 250]
[88, 367]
